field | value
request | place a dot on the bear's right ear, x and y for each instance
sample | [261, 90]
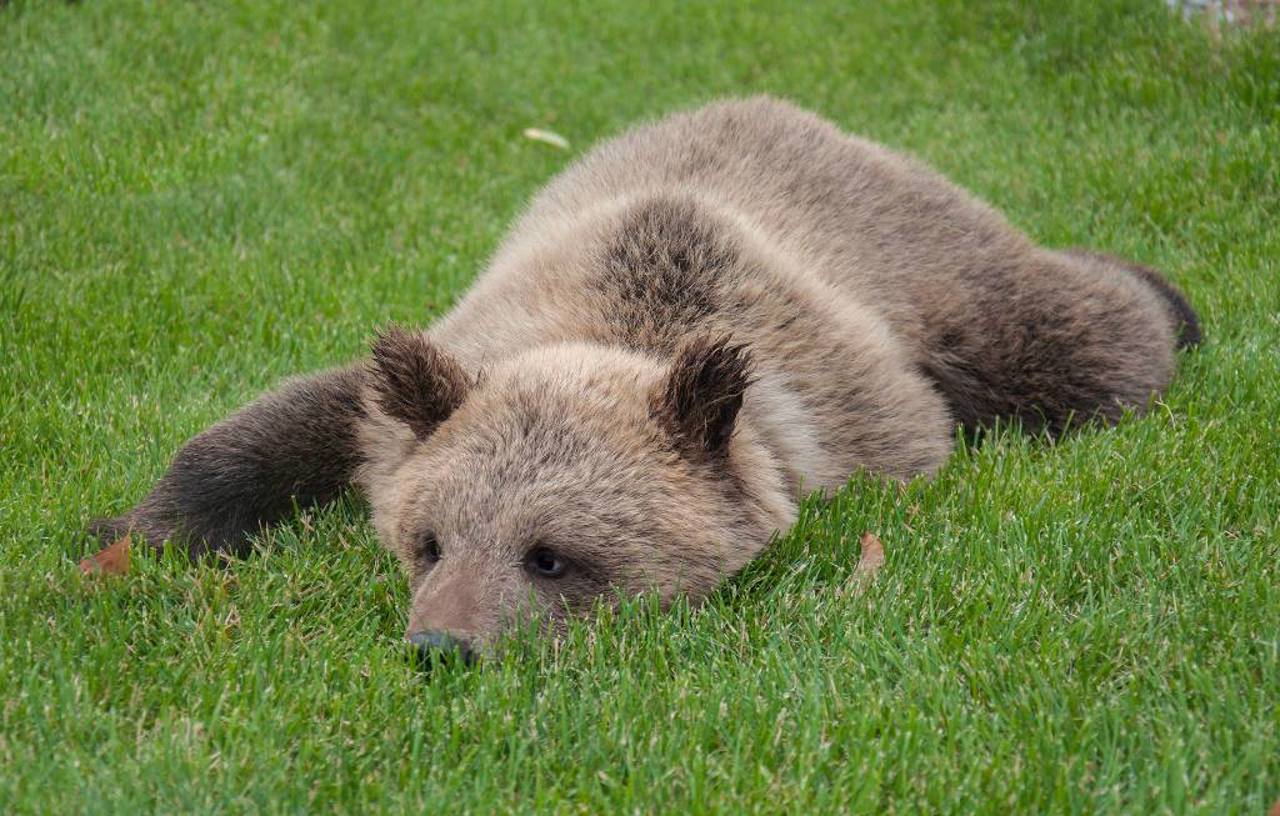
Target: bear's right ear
[414, 381]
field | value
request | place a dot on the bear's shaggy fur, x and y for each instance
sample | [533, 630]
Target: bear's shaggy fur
[693, 326]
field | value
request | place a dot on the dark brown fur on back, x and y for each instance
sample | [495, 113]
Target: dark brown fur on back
[662, 272]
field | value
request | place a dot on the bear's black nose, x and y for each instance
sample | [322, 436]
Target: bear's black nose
[435, 647]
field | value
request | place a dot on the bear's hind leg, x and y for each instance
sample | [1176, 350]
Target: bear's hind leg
[1185, 319]
[1055, 340]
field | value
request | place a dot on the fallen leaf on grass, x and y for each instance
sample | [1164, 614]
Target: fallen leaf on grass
[112, 560]
[872, 558]
[869, 563]
[547, 137]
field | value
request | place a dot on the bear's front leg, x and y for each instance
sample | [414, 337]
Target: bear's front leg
[297, 444]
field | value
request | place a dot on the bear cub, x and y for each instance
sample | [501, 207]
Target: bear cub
[693, 326]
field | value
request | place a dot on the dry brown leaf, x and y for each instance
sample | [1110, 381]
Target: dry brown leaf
[872, 558]
[869, 563]
[112, 560]
[1275, 809]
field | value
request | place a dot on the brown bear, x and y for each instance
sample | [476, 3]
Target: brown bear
[690, 328]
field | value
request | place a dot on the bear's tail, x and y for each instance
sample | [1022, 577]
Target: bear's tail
[1186, 321]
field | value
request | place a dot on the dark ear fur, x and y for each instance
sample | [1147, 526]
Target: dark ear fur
[699, 401]
[414, 381]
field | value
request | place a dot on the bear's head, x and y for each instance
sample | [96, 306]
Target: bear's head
[561, 478]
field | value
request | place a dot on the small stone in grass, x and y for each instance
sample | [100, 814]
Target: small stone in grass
[112, 560]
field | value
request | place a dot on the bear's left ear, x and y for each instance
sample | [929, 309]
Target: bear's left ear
[414, 381]
[698, 402]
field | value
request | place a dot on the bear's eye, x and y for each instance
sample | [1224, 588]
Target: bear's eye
[427, 549]
[544, 563]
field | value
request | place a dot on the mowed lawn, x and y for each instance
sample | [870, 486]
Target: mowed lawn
[199, 199]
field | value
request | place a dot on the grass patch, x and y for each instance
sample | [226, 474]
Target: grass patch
[198, 199]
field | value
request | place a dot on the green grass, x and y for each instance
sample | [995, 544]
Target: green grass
[197, 199]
